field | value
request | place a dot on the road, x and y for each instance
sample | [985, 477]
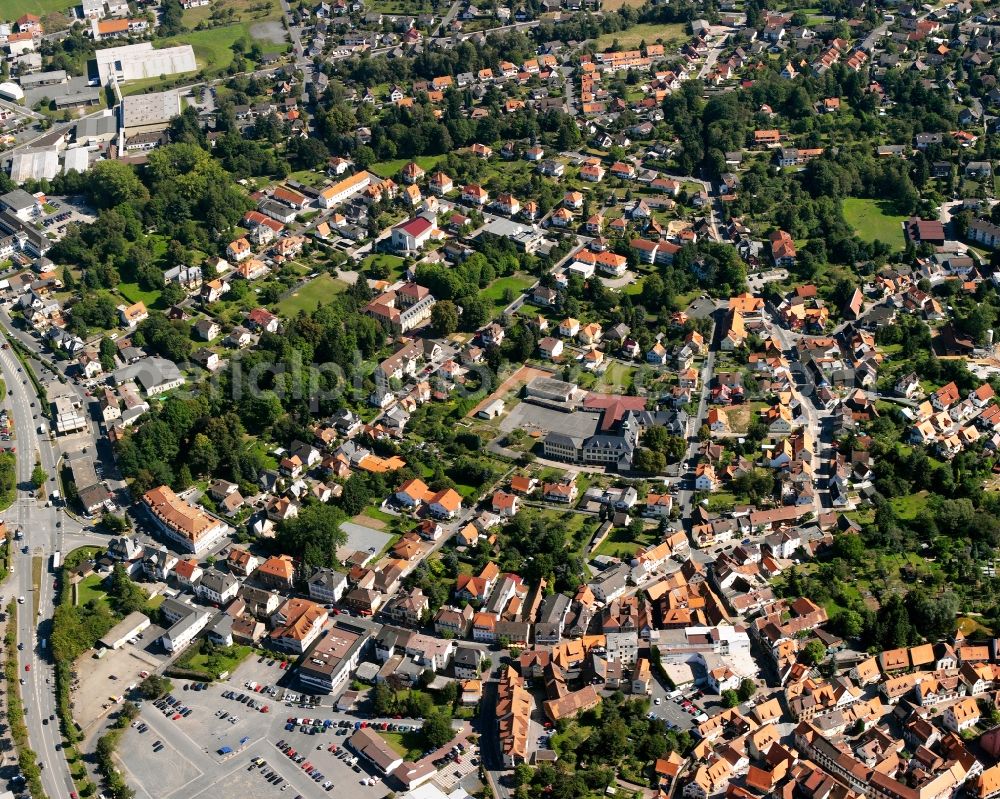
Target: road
[46, 530]
[685, 495]
[570, 105]
[448, 17]
[42, 536]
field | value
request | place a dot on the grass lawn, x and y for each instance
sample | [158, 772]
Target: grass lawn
[409, 745]
[402, 6]
[874, 220]
[213, 47]
[973, 628]
[132, 293]
[388, 169]
[651, 32]
[309, 297]
[241, 9]
[308, 176]
[379, 515]
[90, 588]
[909, 506]
[620, 544]
[12, 9]
[495, 292]
[391, 262]
[214, 660]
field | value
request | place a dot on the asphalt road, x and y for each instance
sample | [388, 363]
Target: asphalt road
[41, 538]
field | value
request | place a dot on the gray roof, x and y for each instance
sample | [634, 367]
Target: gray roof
[553, 609]
[217, 581]
[41, 78]
[18, 200]
[150, 109]
[328, 578]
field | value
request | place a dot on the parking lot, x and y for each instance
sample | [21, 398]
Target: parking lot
[65, 211]
[190, 765]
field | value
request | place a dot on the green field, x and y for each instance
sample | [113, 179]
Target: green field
[409, 745]
[650, 32]
[495, 292]
[391, 262]
[620, 544]
[90, 588]
[132, 293]
[310, 295]
[389, 169]
[874, 220]
[240, 10]
[213, 47]
[12, 9]
[213, 660]
[909, 506]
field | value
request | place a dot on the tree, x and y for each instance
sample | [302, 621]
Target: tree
[384, 700]
[813, 653]
[125, 595]
[437, 729]
[154, 686]
[747, 689]
[107, 354]
[730, 698]
[114, 523]
[314, 535]
[38, 476]
[113, 183]
[444, 317]
[850, 547]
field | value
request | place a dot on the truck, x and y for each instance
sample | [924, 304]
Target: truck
[56, 560]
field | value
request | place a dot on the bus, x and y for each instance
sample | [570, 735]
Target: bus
[56, 560]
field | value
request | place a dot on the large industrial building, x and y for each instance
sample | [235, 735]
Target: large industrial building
[137, 61]
[149, 113]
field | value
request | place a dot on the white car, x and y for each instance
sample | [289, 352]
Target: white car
[20, 600]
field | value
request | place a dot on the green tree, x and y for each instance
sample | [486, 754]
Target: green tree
[747, 689]
[437, 729]
[814, 652]
[38, 476]
[154, 686]
[314, 535]
[114, 523]
[113, 182]
[444, 317]
[730, 698]
[108, 350]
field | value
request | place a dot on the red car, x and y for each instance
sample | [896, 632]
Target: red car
[177, 716]
[27, 667]
[284, 665]
[265, 709]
